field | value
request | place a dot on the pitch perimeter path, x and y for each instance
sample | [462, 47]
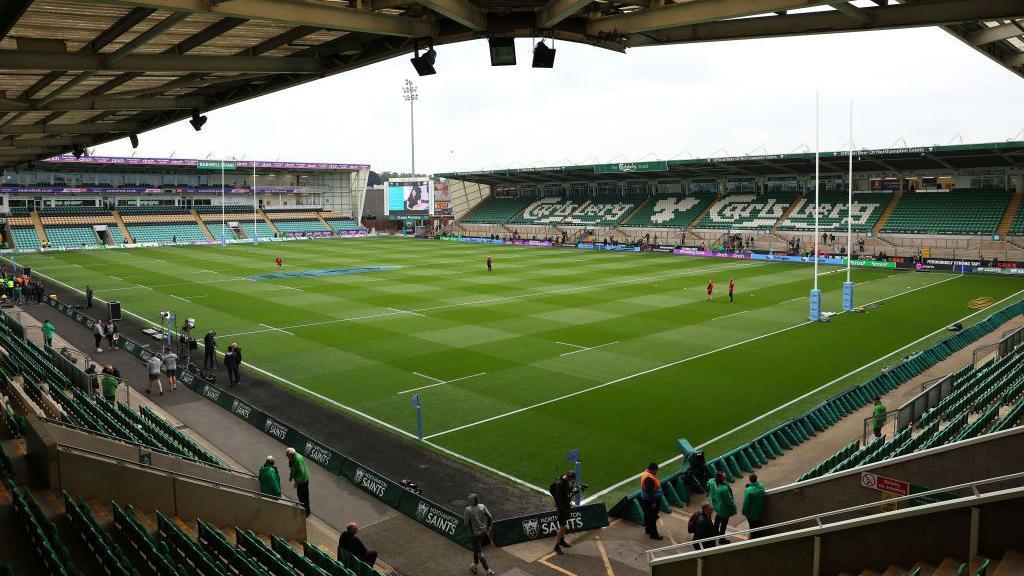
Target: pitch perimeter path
[617, 354]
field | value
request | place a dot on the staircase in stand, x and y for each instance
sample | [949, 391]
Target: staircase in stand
[202, 225]
[270, 223]
[785, 215]
[887, 212]
[1011, 211]
[37, 221]
[120, 226]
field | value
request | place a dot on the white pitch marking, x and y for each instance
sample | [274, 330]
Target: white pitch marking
[590, 348]
[793, 299]
[277, 329]
[573, 345]
[180, 298]
[439, 382]
[733, 314]
[407, 312]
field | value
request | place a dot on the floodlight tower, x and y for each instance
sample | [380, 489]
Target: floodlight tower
[410, 95]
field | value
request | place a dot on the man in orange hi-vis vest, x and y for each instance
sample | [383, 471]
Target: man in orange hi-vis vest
[650, 499]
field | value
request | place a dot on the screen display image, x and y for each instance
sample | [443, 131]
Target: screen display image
[409, 196]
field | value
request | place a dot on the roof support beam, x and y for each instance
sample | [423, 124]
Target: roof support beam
[1014, 61]
[318, 15]
[557, 10]
[17, 143]
[682, 14]
[104, 103]
[460, 11]
[10, 13]
[920, 13]
[994, 34]
[851, 11]
[70, 128]
[22, 60]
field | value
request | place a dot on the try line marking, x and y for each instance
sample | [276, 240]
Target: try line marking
[584, 348]
[439, 382]
[277, 329]
[330, 401]
[656, 369]
[807, 394]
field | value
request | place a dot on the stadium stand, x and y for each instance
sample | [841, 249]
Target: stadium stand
[549, 210]
[603, 210]
[961, 212]
[1017, 226]
[498, 210]
[669, 211]
[73, 211]
[748, 211]
[296, 222]
[167, 233]
[343, 225]
[71, 236]
[260, 229]
[25, 237]
[867, 208]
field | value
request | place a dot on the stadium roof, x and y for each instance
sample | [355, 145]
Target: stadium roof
[120, 162]
[75, 73]
[952, 158]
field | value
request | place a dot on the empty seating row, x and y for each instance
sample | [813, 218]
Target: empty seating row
[74, 211]
[107, 553]
[276, 215]
[71, 236]
[260, 229]
[834, 209]
[343, 225]
[1017, 225]
[167, 233]
[300, 226]
[963, 212]
[42, 533]
[25, 237]
[747, 211]
[136, 210]
[670, 211]
[498, 210]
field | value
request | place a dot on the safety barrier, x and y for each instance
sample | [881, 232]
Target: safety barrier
[754, 454]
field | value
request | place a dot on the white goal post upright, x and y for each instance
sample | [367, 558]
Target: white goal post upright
[848, 285]
[815, 297]
[255, 235]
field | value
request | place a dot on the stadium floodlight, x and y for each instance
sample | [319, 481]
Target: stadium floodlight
[78, 151]
[411, 95]
[424, 64]
[134, 139]
[543, 56]
[503, 51]
[197, 121]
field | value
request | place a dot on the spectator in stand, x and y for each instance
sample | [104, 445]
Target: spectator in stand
[108, 383]
[479, 520]
[722, 502]
[351, 543]
[270, 479]
[48, 330]
[753, 505]
[702, 527]
[299, 475]
[650, 499]
[88, 296]
[878, 417]
[97, 334]
[39, 291]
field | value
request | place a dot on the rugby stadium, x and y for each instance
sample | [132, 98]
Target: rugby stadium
[782, 363]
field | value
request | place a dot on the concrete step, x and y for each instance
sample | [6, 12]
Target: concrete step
[948, 567]
[1011, 564]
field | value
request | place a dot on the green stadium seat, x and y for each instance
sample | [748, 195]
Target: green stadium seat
[25, 237]
[959, 212]
[832, 216]
[747, 211]
[498, 210]
[669, 211]
[167, 233]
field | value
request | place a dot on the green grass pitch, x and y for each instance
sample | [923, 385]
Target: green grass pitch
[617, 354]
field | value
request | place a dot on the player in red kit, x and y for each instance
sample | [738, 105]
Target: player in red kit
[711, 288]
[277, 261]
[488, 263]
[732, 285]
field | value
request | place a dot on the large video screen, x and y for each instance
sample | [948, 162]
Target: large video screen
[410, 196]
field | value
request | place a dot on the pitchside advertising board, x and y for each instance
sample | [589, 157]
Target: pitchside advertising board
[545, 524]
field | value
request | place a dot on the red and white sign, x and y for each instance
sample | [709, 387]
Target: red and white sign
[884, 484]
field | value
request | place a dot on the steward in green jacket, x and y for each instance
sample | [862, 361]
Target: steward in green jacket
[299, 475]
[753, 505]
[722, 501]
[878, 417]
[270, 480]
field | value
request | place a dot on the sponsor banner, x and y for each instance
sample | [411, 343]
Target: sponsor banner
[192, 163]
[311, 234]
[872, 263]
[803, 259]
[1006, 271]
[480, 240]
[529, 243]
[665, 249]
[626, 167]
[545, 524]
[377, 485]
[612, 247]
[710, 254]
[438, 518]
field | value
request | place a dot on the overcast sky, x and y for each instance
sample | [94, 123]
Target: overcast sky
[600, 106]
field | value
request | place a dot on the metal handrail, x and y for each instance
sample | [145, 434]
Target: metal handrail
[123, 462]
[817, 519]
[49, 420]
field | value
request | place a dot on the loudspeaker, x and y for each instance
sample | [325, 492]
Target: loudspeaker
[543, 57]
[114, 310]
[503, 51]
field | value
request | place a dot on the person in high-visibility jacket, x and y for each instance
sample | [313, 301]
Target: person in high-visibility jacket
[878, 417]
[650, 499]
